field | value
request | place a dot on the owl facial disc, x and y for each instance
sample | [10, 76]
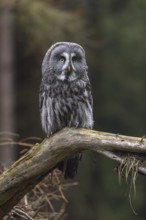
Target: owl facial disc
[65, 61]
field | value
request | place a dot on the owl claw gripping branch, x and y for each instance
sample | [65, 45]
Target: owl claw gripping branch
[65, 95]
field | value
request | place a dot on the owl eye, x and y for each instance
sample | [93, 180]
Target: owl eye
[74, 58]
[62, 59]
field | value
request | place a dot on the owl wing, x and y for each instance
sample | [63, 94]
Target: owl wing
[88, 88]
[46, 110]
[42, 96]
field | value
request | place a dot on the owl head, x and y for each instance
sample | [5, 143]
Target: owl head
[65, 61]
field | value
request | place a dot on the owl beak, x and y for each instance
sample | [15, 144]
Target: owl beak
[69, 68]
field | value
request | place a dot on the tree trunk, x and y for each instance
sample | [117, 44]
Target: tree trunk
[7, 91]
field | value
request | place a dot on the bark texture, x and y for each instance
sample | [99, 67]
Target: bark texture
[25, 173]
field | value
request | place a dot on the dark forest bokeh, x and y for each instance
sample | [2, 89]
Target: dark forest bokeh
[113, 34]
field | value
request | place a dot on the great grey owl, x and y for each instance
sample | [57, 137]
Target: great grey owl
[65, 95]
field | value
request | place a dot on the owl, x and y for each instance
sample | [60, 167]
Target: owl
[65, 97]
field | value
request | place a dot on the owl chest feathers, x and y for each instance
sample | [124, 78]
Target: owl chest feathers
[66, 105]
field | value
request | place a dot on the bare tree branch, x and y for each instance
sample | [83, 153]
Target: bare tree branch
[30, 169]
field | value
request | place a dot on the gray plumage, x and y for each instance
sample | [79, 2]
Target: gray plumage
[65, 94]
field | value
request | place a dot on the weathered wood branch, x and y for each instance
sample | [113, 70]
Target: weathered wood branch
[25, 173]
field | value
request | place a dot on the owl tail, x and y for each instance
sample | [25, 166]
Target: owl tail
[70, 166]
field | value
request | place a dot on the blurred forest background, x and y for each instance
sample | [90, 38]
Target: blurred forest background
[113, 33]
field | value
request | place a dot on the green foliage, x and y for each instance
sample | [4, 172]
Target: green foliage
[123, 69]
[39, 25]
